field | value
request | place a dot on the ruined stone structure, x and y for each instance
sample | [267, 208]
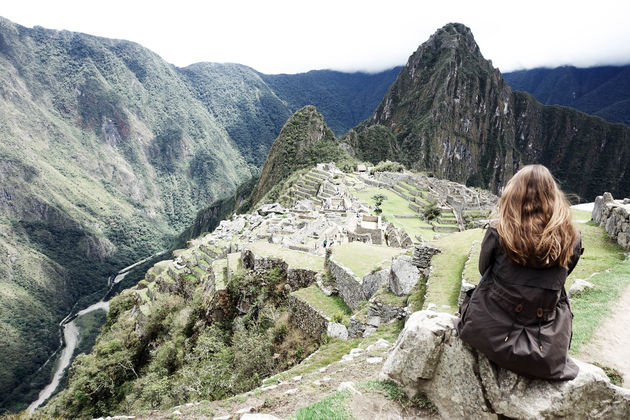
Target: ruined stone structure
[614, 215]
[307, 318]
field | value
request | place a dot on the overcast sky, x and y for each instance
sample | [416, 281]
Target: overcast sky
[297, 36]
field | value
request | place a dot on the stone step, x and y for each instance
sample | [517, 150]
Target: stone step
[309, 181]
[445, 229]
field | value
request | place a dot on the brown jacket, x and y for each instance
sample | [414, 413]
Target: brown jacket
[519, 316]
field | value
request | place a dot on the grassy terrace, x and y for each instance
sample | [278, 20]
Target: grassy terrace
[363, 258]
[445, 280]
[219, 265]
[396, 205]
[328, 305]
[295, 259]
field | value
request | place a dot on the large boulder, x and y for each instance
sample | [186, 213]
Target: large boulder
[404, 275]
[463, 383]
[374, 281]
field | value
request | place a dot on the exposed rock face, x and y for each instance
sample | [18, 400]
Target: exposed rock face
[404, 275]
[373, 281]
[462, 383]
[614, 215]
[450, 112]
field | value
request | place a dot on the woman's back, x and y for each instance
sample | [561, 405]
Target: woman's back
[519, 315]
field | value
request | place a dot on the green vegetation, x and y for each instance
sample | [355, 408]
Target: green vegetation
[613, 374]
[89, 327]
[378, 200]
[332, 407]
[448, 265]
[363, 258]
[174, 353]
[387, 166]
[294, 258]
[432, 211]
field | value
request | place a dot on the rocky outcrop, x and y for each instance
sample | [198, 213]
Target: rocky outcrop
[404, 275]
[451, 113]
[462, 383]
[614, 215]
[374, 281]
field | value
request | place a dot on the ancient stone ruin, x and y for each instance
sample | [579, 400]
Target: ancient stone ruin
[614, 215]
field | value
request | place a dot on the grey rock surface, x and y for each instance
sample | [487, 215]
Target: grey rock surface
[579, 286]
[404, 275]
[462, 383]
[374, 281]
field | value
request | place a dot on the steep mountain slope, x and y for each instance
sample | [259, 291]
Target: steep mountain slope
[253, 106]
[602, 91]
[304, 141]
[105, 154]
[344, 99]
[450, 112]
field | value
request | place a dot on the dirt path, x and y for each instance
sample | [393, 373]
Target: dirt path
[611, 344]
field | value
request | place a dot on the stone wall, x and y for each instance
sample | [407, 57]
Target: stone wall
[422, 256]
[366, 238]
[299, 278]
[348, 285]
[307, 318]
[614, 215]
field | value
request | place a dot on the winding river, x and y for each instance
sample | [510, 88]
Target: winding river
[71, 336]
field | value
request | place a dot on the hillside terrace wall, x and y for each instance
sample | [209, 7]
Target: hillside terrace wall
[348, 285]
[307, 318]
[614, 215]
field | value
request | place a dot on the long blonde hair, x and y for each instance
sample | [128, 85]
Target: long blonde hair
[534, 219]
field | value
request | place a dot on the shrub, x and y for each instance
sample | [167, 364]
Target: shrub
[431, 211]
[387, 166]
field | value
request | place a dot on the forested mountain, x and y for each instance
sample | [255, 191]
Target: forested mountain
[603, 91]
[451, 113]
[106, 153]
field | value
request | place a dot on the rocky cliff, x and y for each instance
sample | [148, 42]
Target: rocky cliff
[451, 113]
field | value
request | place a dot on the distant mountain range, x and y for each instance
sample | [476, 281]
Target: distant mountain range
[107, 152]
[603, 91]
[451, 113]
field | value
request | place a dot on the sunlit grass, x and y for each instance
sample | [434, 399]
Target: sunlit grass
[363, 258]
[445, 280]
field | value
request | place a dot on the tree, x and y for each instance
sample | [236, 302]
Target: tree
[378, 200]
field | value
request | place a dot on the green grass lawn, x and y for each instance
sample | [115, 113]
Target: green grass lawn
[295, 259]
[393, 204]
[396, 205]
[445, 280]
[593, 306]
[328, 305]
[363, 258]
[471, 268]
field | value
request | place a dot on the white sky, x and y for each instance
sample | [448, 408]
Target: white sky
[284, 36]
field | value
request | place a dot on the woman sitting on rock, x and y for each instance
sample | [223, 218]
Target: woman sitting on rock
[519, 314]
